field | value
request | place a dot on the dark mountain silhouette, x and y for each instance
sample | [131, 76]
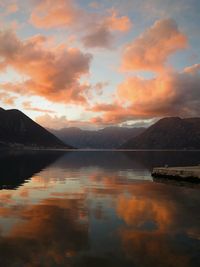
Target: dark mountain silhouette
[16, 129]
[168, 133]
[107, 138]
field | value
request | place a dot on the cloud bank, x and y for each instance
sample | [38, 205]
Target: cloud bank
[95, 29]
[152, 48]
[53, 73]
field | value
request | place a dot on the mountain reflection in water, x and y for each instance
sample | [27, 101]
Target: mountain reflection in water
[97, 209]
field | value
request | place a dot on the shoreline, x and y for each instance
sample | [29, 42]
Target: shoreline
[95, 149]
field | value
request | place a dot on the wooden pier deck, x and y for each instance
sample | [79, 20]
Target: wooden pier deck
[182, 173]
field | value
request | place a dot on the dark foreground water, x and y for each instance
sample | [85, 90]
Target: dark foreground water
[97, 209]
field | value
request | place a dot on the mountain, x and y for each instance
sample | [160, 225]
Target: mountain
[168, 133]
[107, 138]
[16, 129]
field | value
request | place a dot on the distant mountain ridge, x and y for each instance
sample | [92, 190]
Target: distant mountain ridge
[168, 133]
[16, 129]
[107, 138]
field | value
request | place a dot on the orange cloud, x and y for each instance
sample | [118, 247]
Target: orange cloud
[96, 30]
[115, 23]
[151, 49]
[12, 8]
[50, 14]
[56, 122]
[53, 73]
[7, 98]
[98, 87]
[95, 5]
[52, 122]
[115, 113]
[165, 95]
[148, 96]
[27, 105]
[98, 37]
[8, 7]
[104, 107]
[100, 34]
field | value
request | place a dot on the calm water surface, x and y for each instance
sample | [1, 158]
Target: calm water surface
[97, 209]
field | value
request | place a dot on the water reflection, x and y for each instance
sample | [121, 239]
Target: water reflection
[16, 167]
[151, 159]
[99, 209]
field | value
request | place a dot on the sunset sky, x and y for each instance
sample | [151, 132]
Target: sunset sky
[95, 64]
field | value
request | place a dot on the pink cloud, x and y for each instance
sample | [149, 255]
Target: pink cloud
[12, 8]
[58, 122]
[7, 99]
[101, 33]
[95, 29]
[28, 106]
[51, 14]
[117, 23]
[95, 5]
[169, 94]
[8, 7]
[152, 48]
[53, 73]
[98, 37]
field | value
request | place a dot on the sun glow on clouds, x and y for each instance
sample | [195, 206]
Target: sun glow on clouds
[151, 49]
[56, 64]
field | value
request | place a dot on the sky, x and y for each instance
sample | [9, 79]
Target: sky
[92, 64]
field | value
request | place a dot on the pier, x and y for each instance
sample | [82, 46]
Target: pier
[190, 173]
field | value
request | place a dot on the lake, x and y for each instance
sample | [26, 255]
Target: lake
[94, 209]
